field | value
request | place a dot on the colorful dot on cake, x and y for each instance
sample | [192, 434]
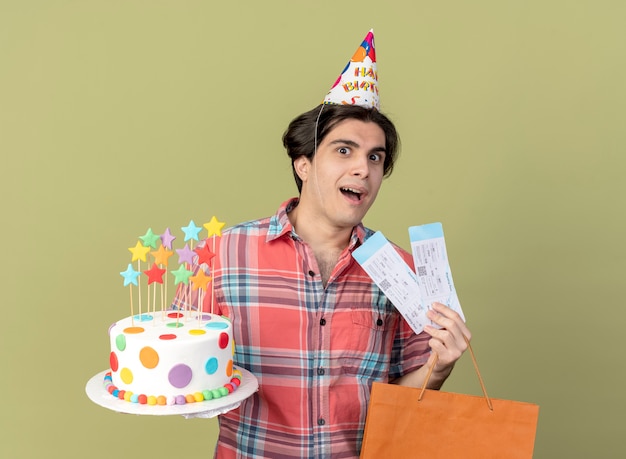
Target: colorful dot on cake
[133, 330]
[216, 393]
[126, 375]
[223, 340]
[161, 400]
[198, 396]
[113, 362]
[148, 357]
[142, 399]
[180, 400]
[180, 375]
[143, 317]
[134, 398]
[216, 326]
[211, 366]
[197, 332]
[189, 398]
[229, 368]
[152, 400]
[167, 336]
[120, 342]
[128, 396]
[175, 325]
[175, 315]
[207, 394]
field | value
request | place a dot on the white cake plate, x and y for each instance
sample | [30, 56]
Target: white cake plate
[206, 409]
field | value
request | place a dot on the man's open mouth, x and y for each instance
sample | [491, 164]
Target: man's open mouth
[351, 193]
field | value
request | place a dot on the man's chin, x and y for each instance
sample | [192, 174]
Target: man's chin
[350, 221]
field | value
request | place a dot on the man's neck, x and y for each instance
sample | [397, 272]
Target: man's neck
[318, 234]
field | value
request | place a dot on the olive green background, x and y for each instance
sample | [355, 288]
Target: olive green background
[116, 116]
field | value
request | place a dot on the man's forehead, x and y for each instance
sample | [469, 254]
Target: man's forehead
[354, 130]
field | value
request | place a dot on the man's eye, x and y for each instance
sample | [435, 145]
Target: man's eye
[344, 150]
[375, 157]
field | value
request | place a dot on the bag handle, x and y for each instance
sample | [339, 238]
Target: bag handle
[480, 378]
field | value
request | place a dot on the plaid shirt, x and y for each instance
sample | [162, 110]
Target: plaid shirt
[315, 350]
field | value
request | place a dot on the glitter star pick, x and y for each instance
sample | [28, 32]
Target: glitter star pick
[161, 255]
[155, 274]
[191, 231]
[130, 275]
[167, 238]
[200, 280]
[139, 252]
[181, 275]
[204, 254]
[149, 239]
[214, 227]
[185, 255]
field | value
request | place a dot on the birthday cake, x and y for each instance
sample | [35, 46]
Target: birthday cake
[162, 356]
[168, 358]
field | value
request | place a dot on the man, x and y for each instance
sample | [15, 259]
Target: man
[307, 320]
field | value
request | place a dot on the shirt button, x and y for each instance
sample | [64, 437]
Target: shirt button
[323, 322]
[311, 273]
[321, 422]
[379, 322]
[320, 371]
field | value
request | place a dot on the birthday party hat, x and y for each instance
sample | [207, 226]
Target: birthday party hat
[358, 83]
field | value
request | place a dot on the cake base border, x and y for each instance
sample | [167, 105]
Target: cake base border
[207, 409]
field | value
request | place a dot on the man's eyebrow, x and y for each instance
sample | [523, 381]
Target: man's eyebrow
[351, 143]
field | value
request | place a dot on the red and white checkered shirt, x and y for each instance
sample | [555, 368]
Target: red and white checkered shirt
[315, 350]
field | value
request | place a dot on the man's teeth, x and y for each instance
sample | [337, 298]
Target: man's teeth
[356, 193]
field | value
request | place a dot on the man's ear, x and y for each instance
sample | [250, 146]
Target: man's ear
[302, 167]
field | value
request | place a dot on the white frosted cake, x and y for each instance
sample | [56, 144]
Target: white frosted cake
[171, 357]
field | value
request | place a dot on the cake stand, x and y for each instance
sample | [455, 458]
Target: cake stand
[206, 409]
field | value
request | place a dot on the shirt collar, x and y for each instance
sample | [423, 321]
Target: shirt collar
[280, 226]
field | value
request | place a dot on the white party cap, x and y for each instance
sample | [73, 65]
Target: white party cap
[358, 83]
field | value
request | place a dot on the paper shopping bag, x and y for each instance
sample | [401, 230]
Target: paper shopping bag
[446, 425]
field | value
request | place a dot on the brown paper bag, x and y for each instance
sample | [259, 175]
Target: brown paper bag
[408, 422]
